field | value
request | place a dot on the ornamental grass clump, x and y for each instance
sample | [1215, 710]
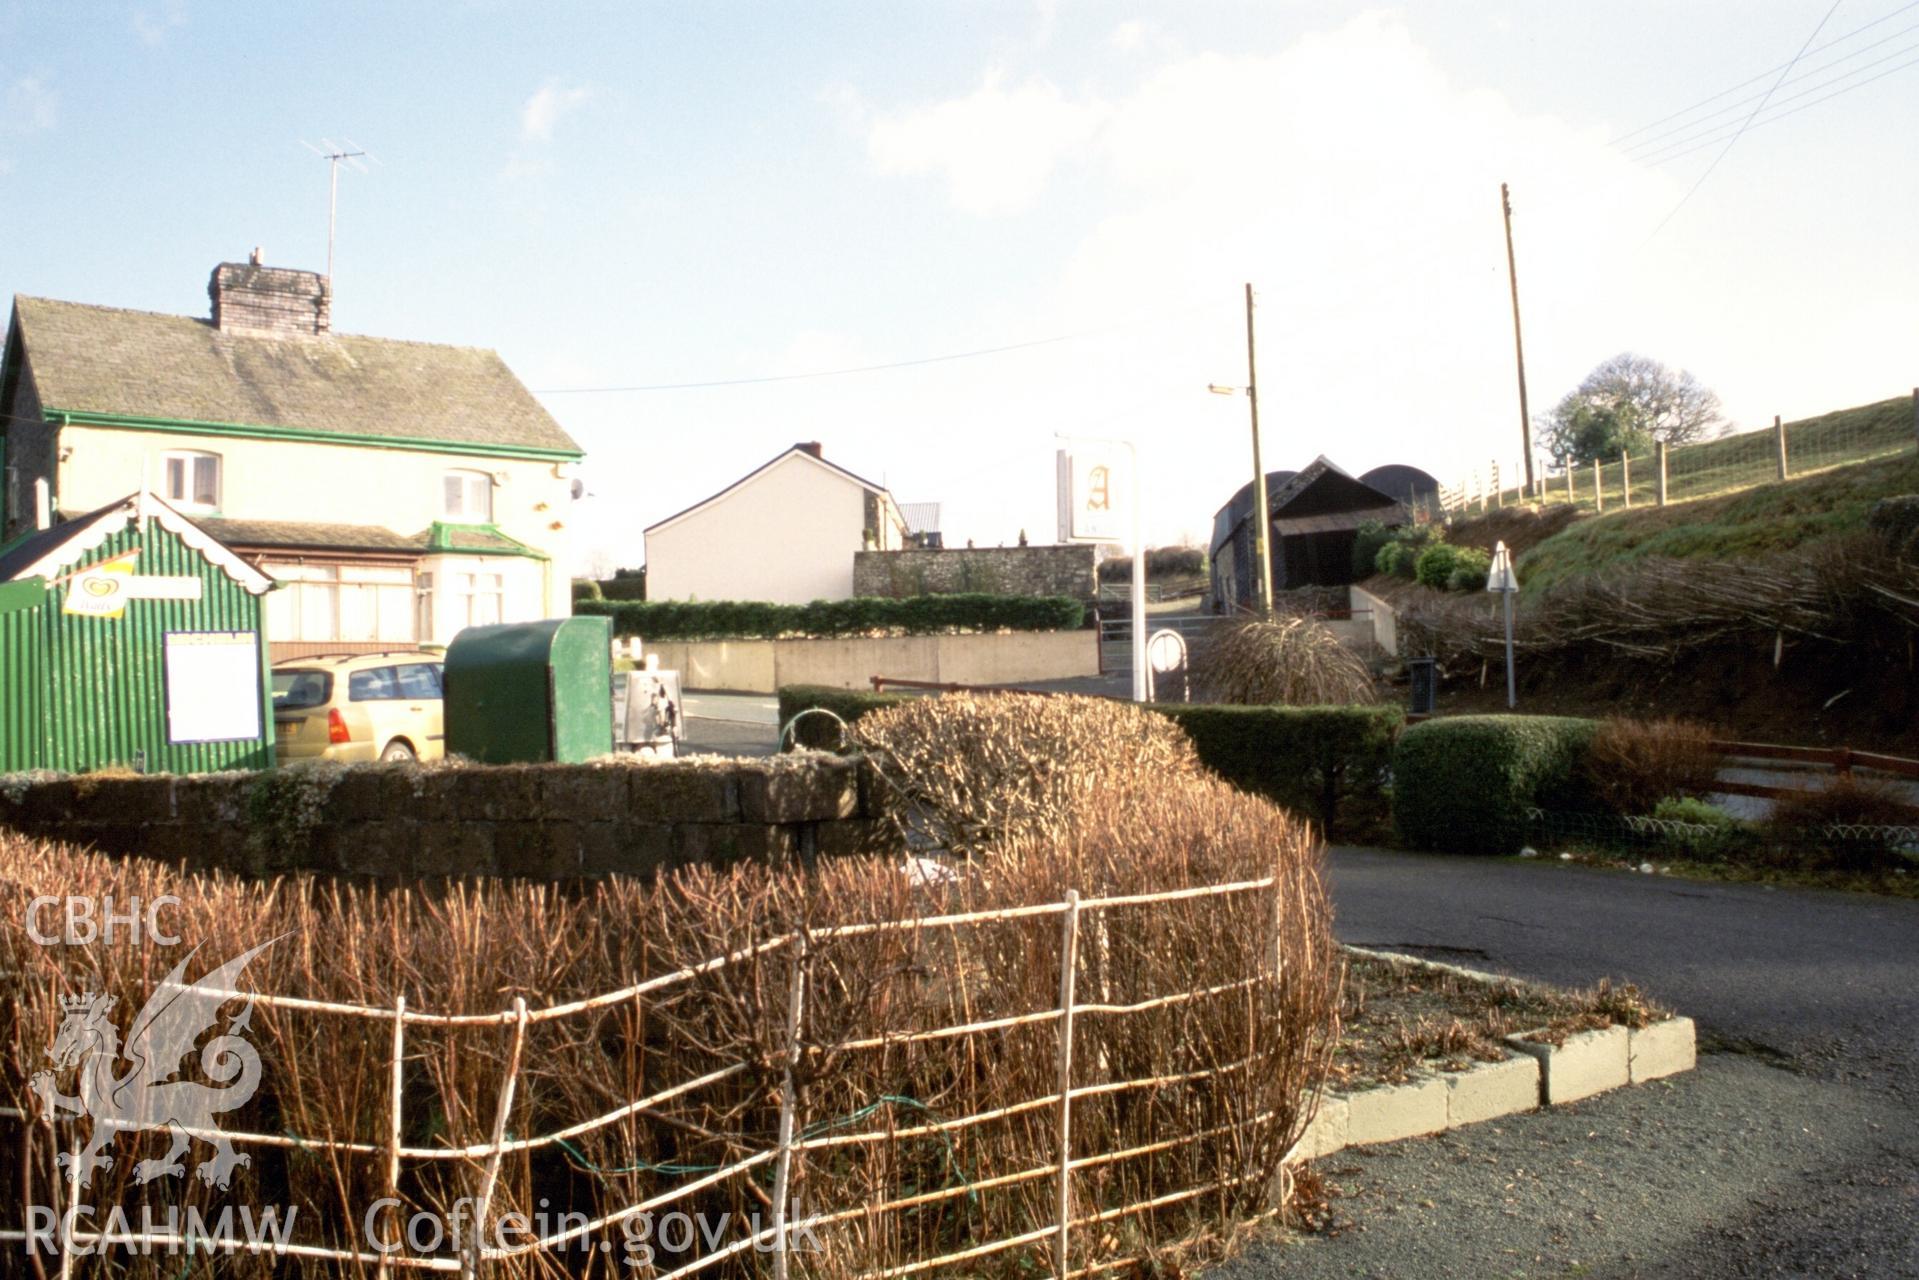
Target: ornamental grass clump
[1288, 661]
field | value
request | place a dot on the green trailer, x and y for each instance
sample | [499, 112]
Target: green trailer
[526, 692]
[130, 638]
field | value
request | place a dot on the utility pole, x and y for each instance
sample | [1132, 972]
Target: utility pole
[1263, 529]
[1519, 346]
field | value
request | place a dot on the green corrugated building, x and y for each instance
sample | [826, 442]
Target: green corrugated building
[129, 637]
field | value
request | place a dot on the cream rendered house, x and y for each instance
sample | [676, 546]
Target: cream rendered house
[399, 491]
[785, 533]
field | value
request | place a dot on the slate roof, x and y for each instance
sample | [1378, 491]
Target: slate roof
[802, 450]
[89, 359]
[437, 538]
[310, 536]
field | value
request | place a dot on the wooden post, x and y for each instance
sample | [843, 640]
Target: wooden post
[1570, 495]
[1779, 442]
[1499, 496]
[73, 1200]
[470, 1265]
[1659, 451]
[393, 1117]
[1625, 477]
[1599, 488]
[1915, 415]
[789, 1103]
[1068, 966]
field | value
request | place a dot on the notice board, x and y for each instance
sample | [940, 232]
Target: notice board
[213, 686]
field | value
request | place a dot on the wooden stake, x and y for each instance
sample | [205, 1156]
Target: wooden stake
[1625, 476]
[1779, 444]
[1068, 966]
[393, 1117]
[1659, 450]
[1599, 488]
[789, 1104]
[491, 1178]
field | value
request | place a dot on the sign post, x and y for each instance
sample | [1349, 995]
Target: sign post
[1092, 476]
[1502, 579]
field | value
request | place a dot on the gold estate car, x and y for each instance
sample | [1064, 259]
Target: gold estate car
[360, 706]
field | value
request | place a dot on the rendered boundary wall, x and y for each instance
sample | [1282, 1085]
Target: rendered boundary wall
[763, 666]
[398, 822]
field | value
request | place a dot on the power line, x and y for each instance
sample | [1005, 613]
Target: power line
[1654, 144]
[1836, 40]
[1772, 119]
[1717, 132]
[1730, 142]
[864, 368]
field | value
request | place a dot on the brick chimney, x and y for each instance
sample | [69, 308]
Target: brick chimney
[809, 446]
[250, 297]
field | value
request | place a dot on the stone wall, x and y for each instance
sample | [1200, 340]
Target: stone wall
[395, 822]
[1008, 571]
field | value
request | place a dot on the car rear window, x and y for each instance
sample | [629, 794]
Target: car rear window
[296, 690]
[373, 685]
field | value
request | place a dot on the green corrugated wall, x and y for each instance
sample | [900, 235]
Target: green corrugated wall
[80, 693]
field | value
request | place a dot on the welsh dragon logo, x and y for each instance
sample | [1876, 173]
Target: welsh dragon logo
[144, 1095]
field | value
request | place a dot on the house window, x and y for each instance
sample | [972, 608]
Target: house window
[354, 603]
[478, 598]
[467, 497]
[191, 480]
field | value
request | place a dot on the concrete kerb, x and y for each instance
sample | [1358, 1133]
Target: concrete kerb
[1538, 1074]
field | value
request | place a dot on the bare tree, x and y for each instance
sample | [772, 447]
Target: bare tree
[1628, 399]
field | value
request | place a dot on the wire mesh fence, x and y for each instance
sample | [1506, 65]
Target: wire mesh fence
[910, 1107]
[1707, 468]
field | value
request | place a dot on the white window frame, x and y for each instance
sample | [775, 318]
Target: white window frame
[189, 460]
[473, 485]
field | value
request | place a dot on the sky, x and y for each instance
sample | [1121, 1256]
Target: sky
[624, 199]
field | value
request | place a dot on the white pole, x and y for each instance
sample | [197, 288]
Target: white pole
[1141, 691]
[1512, 697]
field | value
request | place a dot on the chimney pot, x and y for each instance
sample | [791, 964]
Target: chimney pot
[259, 256]
[810, 446]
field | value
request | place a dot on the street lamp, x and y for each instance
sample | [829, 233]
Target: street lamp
[1501, 578]
[1262, 528]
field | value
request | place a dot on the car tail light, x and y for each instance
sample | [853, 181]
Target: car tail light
[336, 727]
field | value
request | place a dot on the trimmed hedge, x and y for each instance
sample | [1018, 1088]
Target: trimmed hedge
[1463, 784]
[912, 615]
[848, 704]
[1329, 764]
[585, 589]
[626, 587]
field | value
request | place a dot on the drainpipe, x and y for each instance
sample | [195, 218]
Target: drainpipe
[42, 504]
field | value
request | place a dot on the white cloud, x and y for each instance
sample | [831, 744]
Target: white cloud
[1128, 36]
[153, 25]
[996, 147]
[1357, 186]
[31, 105]
[546, 107]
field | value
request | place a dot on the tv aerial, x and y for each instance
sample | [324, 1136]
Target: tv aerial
[337, 154]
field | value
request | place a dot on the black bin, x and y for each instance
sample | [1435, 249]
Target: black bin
[1425, 675]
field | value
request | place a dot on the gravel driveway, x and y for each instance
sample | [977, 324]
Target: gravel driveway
[1792, 1151]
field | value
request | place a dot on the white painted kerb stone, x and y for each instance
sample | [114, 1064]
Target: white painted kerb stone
[1391, 1112]
[1662, 1049]
[1588, 1062]
[1491, 1090]
[1327, 1132]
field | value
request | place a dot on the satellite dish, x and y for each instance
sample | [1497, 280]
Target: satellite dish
[579, 489]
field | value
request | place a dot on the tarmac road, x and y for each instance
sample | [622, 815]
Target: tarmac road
[1793, 1150]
